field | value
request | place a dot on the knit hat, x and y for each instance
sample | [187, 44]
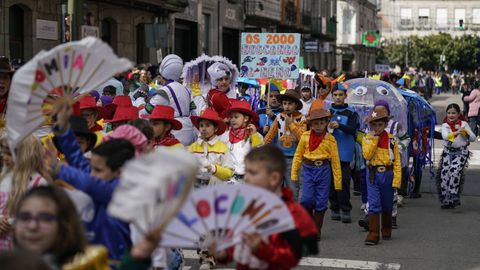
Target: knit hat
[171, 67]
[217, 71]
[131, 134]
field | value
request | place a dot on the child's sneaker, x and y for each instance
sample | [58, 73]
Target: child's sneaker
[346, 218]
[400, 201]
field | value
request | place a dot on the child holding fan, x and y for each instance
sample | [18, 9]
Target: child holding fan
[318, 152]
[457, 135]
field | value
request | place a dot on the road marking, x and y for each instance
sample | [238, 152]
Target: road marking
[322, 262]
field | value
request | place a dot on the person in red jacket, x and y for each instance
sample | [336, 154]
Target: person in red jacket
[265, 167]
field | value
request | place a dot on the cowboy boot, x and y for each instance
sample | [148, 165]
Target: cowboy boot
[318, 218]
[386, 225]
[374, 230]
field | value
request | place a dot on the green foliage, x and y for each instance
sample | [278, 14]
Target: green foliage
[462, 53]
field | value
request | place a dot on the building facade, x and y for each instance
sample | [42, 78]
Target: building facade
[401, 18]
[146, 30]
[354, 19]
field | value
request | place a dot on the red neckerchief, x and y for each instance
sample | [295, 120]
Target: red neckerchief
[453, 124]
[96, 128]
[315, 140]
[237, 134]
[384, 140]
[167, 140]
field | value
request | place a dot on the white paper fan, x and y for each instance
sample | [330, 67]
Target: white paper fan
[153, 187]
[64, 72]
[223, 213]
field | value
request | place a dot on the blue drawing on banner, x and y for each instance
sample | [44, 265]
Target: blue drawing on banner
[243, 71]
[275, 61]
[262, 61]
[248, 59]
[293, 67]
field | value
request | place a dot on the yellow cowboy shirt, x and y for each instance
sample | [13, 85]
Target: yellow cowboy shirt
[376, 156]
[326, 150]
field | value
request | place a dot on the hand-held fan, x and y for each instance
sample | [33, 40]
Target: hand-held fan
[153, 187]
[62, 74]
[222, 213]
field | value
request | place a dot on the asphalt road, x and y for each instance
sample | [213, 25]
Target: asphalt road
[427, 237]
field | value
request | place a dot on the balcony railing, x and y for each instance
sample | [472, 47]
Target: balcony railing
[263, 10]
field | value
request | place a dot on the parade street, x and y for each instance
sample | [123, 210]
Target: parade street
[427, 237]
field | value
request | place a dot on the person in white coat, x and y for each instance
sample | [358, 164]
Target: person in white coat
[174, 94]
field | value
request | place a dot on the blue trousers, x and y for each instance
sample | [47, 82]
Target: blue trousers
[380, 192]
[316, 187]
[363, 185]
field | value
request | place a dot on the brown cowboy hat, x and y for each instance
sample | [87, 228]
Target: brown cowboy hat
[378, 113]
[318, 114]
[5, 66]
[293, 95]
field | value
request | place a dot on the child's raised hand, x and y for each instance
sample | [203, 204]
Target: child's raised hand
[61, 114]
[252, 240]
[252, 128]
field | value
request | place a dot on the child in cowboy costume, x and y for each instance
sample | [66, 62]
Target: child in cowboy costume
[289, 127]
[318, 152]
[163, 122]
[242, 135]
[345, 123]
[90, 111]
[213, 154]
[380, 150]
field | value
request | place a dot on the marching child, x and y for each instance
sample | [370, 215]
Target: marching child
[344, 123]
[380, 150]
[163, 122]
[242, 136]
[265, 168]
[457, 135]
[318, 152]
[289, 127]
[212, 153]
[214, 157]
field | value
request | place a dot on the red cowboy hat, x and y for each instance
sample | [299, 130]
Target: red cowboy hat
[108, 111]
[210, 115]
[165, 113]
[122, 101]
[244, 107]
[219, 101]
[88, 102]
[124, 114]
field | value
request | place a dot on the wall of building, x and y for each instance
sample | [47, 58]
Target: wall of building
[415, 23]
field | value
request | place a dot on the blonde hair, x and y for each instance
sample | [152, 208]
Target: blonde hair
[29, 159]
[4, 149]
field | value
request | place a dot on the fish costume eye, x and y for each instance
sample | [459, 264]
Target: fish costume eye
[383, 91]
[360, 91]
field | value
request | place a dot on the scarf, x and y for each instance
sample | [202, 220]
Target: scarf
[315, 140]
[237, 134]
[167, 140]
[384, 140]
[455, 123]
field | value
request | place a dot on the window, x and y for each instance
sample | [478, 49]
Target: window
[476, 16]
[423, 16]
[406, 13]
[459, 16]
[442, 17]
